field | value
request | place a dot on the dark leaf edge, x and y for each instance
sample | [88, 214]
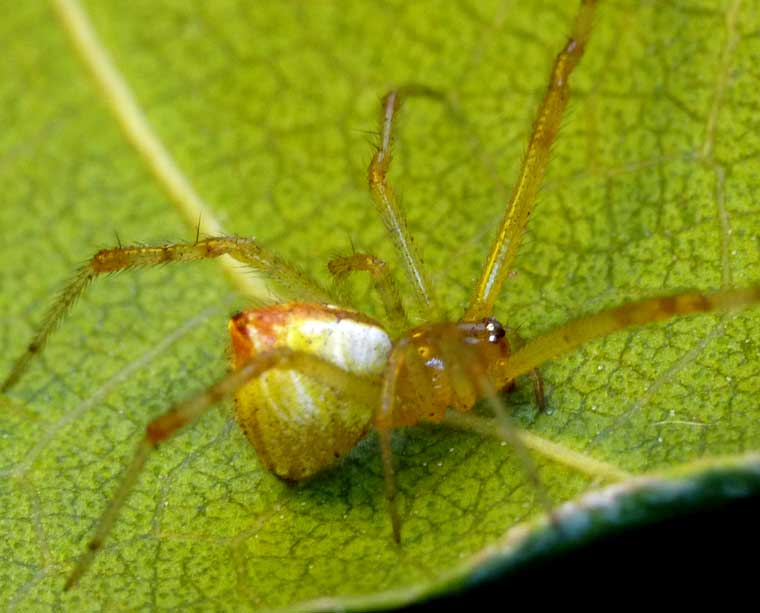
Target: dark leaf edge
[668, 498]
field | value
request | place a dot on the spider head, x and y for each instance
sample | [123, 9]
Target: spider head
[495, 330]
[487, 333]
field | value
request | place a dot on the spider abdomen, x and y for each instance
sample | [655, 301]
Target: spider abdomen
[297, 423]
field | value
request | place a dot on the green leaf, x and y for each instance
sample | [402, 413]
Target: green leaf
[268, 110]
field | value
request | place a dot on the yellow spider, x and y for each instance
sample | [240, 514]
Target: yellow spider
[313, 377]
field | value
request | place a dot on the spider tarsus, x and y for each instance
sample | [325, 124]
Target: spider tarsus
[9, 382]
[538, 390]
[198, 229]
[82, 564]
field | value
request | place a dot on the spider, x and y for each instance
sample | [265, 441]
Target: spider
[311, 378]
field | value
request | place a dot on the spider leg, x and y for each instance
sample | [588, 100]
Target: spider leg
[490, 427]
[382, 193]
[245, 250]
[384, 425]
[189, 411]
[545, 128]
[564, 339]
[517, 342]
[508, 433]
[538, 389]
[382, 279]
[477, 371]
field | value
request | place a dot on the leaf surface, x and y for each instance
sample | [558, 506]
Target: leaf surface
[269, 111]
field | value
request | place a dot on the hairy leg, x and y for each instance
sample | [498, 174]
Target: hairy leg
[189, 411]
[545, 129]
[556, 452]
[384, 425]
[564, 339]
[462, 361]
[342, 267]
[116, 259]
[382, 193]
[517, 341]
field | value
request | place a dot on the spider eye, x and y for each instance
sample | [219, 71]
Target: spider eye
[495, 331]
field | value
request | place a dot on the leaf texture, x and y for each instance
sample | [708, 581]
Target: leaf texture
[269, 110]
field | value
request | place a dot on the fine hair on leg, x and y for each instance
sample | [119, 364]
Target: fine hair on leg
[107, 261]
[384, 425]
[535, 161]
[382, 280]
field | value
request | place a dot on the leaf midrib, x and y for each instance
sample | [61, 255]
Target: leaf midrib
[125, 109]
